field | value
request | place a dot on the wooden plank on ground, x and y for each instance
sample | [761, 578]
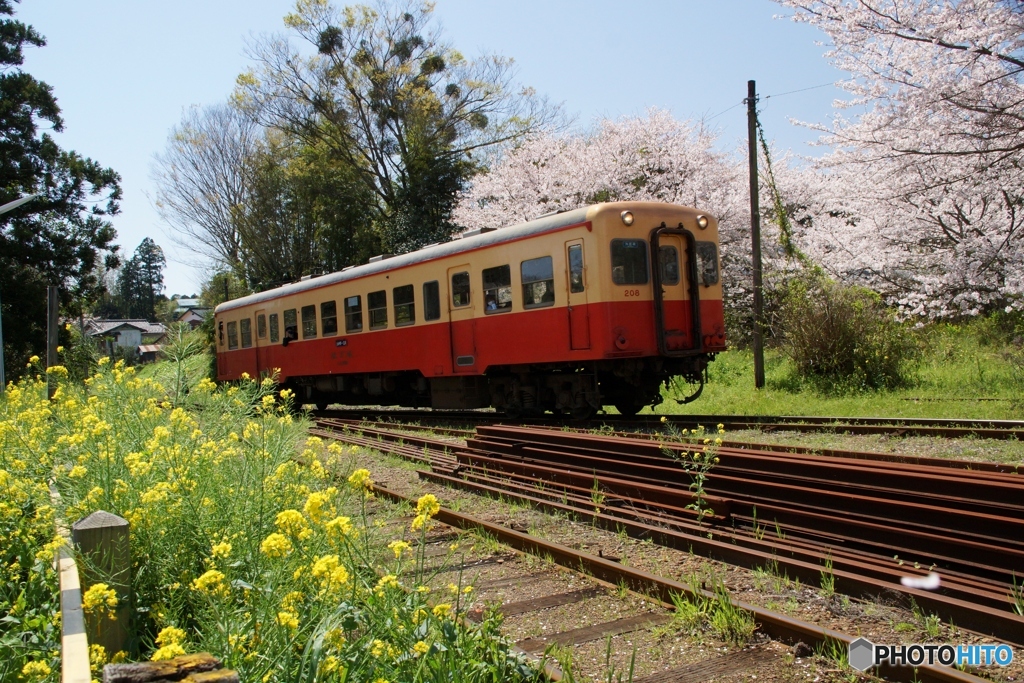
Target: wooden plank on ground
[595, 632]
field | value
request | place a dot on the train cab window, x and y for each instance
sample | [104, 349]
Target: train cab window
[432, 300]
[405, 305]
[707, 263]
[329, 318]
[576, 284]
[246, 327]
[629, 262]
[377, 305]
[291, 325]
[232, 335]
[460, 290]
[538, 282]
[275, 330]
[261, 326]
[354, 314]
[668, 263]
[309, 322]
[497, 289]
[220, 333]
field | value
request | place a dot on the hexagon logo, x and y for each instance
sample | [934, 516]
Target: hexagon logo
[862, 654]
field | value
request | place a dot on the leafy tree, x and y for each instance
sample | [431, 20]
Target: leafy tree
[395, 104]
[61, 237]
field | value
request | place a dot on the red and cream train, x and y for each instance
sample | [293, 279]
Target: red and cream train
[569, 312]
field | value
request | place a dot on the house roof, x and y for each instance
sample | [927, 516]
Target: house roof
[95, 327]
[150, 348]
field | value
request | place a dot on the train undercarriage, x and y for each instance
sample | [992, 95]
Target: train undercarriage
[576, 390]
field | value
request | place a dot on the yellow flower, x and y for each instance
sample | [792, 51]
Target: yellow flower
[33, 360]
[330, 572]
[35, 670]
[292, 523]
[222, 549]
[379, 648]
[664, 419]
[60, 349]
[276, 545]
[339, 528]
[57, 371]
[288, 620]
[360, 479]
[398, 547]
[77, 472]
[467, 590]
[329, 664]
[441, 610]
[420, 648]
[167, 652]
[99, 597]
[428, 505]
[170, 635]
[335, 638]
[211, 582]
[385, 582]
[317, 505]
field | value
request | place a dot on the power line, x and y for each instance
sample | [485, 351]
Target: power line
[813, 87]
[727, 110]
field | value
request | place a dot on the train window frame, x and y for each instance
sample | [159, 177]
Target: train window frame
[261, 326]
[353, 314]
[619, 267]
[245, 332]
[220, 333]
[664, 250]
[275, 328]
[707, 263]
[541, 276]
[577, 270]
[291, 325]
[378, 309]
[329, 318]
[232, 335]
[405, 310]
[460, 288]
[431, 301]
[309, 321]
[497, 286]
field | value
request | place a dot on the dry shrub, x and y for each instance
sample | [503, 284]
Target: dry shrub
[844, 338]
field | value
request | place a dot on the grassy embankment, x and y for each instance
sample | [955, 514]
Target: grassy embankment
[957, 366]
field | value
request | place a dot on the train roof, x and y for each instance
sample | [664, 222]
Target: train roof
[535, 227]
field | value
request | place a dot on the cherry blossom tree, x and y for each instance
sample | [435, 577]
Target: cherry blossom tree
[922, 197]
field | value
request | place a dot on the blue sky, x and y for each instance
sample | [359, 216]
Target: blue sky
[123, 72]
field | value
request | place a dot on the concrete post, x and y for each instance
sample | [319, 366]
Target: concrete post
[104, 556]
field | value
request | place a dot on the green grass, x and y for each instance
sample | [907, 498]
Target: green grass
[958, 365]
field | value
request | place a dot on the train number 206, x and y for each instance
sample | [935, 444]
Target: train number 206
[632, 292]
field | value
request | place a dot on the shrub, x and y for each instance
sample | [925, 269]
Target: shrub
[843, 337]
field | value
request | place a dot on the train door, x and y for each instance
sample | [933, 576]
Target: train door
[676, 303]
[576, 288]
[261, 341]
[461, 322]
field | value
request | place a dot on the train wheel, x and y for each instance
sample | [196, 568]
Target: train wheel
[584, 412]
[628, 408]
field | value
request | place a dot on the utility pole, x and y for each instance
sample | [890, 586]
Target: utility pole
[52, 322]
[755, 237]
[4, 209]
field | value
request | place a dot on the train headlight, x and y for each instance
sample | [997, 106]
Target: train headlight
[702, 222]
[627, 217]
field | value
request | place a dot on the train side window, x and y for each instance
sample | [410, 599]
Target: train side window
[629, 262]
[309, 322]
[354, 314]
[291, 325]
[707, 263]
[497, 289]
[377, 305]
[576, 284]
[329, 318]
[220, 333]
[538, 282]
[261, 326]
[460, 290]
[432, 300]
[668, 262]
[232, 335]
[246, 327]
[275, 330]
[405, 305]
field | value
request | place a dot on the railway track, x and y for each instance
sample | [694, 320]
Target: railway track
[944, 428]
[630, 484]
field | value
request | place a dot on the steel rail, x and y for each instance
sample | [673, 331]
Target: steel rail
[777, 625]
